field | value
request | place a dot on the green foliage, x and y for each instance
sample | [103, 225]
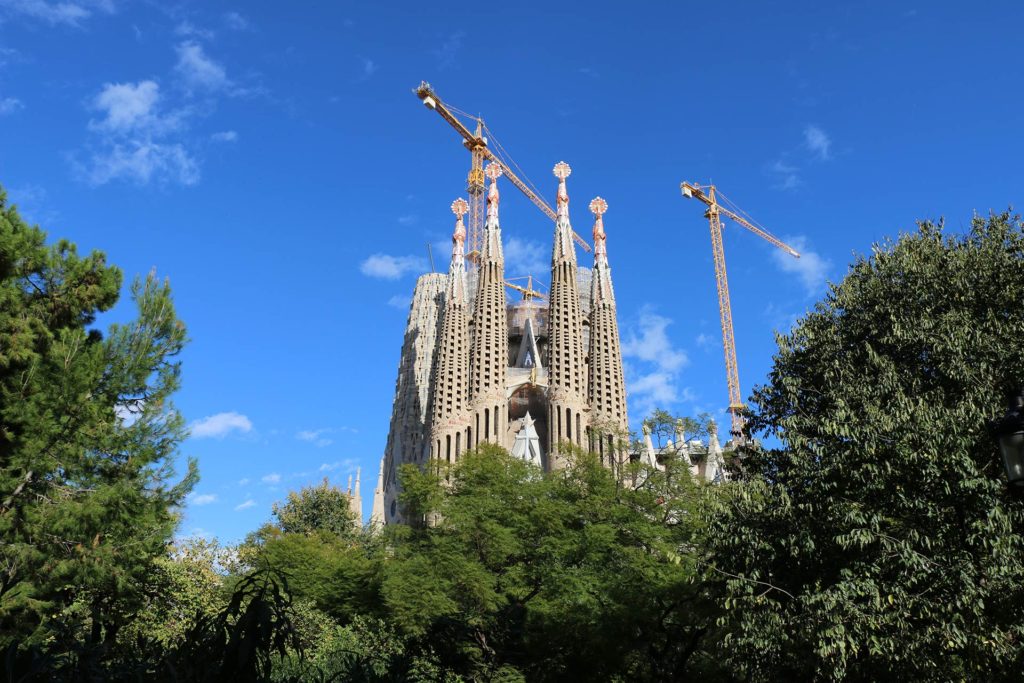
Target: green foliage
[87, 438]
[187, 585]
[880, 542]
[245, 641]
[316, 508]
[547, 576]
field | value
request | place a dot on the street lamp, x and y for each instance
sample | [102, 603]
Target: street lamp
[1010, 432]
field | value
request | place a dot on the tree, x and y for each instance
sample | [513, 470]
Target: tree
[879, 540]
[88, 435]
[548, 576]
[316, 508]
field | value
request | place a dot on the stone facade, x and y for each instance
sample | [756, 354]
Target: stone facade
[528, 375]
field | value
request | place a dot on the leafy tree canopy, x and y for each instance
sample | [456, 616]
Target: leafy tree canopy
[880, 541]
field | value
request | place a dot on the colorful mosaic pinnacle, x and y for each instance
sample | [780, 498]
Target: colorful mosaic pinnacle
[460, 208]
[493, 171]
[598, 207]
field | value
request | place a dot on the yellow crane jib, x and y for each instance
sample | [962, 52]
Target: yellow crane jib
[477, 144]
[710, 196]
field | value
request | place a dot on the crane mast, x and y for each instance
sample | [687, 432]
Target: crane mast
[476, 143]
[713, 213]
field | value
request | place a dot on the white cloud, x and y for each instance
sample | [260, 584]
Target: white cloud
[817, 141]
[315, 437]
[658, 389]
[236, 22]
[653, 345]
[347, 465]
[408, 219]
[524, 257]
[369, 67]
[449, 50]
[653, 376]
[400, 301]
[9, 105]
[787, 175]
[389, 267]
[190, 30]
[225, 136]
[142, 161]
[811, 267]
[273, 478]
[199, 71]
[246, 505]
[54, 13]
[704, 341]
[243, 481]
[220, 425]
[131, 138]
[133, 108]
[203, 498]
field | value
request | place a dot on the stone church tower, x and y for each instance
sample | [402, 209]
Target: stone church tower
[530, 375]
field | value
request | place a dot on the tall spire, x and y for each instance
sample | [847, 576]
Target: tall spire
[564, 246]
[601, 287]
[377, 511]
[606, 386]
[568, 417]
[489, 355]
[492, 229]
[449, 419]
[457, 269]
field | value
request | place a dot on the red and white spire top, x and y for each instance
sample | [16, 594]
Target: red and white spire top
[597, 207]
[460, 208]
[562, 171]
[493, 171]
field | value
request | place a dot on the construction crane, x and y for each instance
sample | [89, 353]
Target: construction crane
[477, 144]
[529, 293]
[713, 198]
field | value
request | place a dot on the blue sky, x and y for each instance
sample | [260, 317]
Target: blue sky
[270, 159]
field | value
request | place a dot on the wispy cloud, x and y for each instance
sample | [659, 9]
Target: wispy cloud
[220, 425]
[652, 344]
[9, 105]
[236, 22]
[68, 13]
[654, 370]
[198, 71]
[408, 219]
[132, 138]
[448, 52]
[316, 437]
[243, 481]
[245, 505]
[134, 108]
[187, 29]
[525, 257]
[817, 141]
[811, 267]
[786, 169]
[387, 267]
[400, 301]
[704, 341]
[369, 67]
[203, 498]
[786, 174]
[273, 478]
[225, 136]
[347, 465]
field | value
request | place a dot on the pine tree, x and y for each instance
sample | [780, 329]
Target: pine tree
[88, 435]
